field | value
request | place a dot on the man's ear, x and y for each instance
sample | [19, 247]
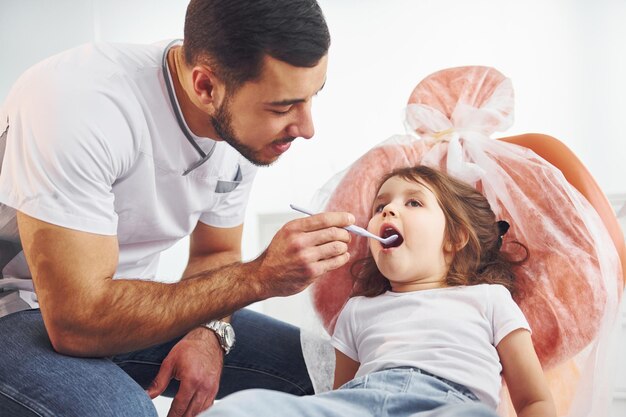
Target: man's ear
[207, 86]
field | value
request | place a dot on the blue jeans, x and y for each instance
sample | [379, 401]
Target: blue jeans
[37, 381]
[397, 392]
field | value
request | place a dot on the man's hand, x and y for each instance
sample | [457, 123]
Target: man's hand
[196, 361]
[301, 251]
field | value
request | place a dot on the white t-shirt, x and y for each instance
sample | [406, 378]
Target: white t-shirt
[93, 144]
[449, 332]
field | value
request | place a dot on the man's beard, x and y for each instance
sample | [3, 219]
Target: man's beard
[222, 123]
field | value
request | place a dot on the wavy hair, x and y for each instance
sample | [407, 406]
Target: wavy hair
[471, 228]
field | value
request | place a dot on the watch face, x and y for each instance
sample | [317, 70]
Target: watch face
[229, 336]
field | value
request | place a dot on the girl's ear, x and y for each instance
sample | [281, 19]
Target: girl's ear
[462, 239]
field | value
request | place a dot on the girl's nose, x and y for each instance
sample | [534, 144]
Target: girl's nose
[388, 210]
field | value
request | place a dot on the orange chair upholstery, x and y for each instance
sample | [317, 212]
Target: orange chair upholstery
[559, 155]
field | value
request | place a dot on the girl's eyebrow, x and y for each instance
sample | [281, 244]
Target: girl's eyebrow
[381, 197]
[409, 192]
[420, 193]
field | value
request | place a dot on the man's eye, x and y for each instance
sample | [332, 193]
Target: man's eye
[282, 112]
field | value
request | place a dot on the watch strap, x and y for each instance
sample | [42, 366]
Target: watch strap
[218, 327]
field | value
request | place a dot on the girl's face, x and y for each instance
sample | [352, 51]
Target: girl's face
[416, 260]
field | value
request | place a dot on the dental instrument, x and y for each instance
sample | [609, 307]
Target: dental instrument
[353, 228]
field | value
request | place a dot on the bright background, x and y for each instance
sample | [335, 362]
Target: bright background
[566, 58]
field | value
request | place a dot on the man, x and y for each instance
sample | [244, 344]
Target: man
[111, 154]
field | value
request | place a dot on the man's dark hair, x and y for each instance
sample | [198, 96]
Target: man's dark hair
[233, 36]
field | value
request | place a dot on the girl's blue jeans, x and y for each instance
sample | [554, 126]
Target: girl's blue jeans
[397, 392]
[37, 381]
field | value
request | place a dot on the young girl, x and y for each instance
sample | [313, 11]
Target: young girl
[431, 326]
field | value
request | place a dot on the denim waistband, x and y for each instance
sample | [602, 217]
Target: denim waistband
[456, 386]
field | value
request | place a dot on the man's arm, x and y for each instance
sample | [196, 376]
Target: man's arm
[212, 247]
[87, 313]
[197, 359]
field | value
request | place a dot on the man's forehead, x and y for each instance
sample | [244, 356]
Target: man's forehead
[282, 84]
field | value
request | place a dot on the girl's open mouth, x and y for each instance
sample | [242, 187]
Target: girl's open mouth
[388, 231]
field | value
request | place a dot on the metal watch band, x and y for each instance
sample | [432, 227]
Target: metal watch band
[224, 332]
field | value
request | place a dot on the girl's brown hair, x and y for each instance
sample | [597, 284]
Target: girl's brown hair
[471, 227]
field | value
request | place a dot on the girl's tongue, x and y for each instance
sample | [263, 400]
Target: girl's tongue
[388, 231]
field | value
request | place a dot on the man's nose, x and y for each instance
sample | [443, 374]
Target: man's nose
[303, 126]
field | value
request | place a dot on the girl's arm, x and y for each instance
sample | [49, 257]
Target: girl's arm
[345, 369]
[524, 377]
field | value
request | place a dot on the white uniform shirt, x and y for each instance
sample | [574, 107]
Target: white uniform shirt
[93, 144]
[449, 332]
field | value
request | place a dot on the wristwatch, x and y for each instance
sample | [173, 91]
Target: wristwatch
[224, 332]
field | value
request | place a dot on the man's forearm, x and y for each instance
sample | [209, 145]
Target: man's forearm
[209, 262]
[199, 264]
[87, 313]
[136, 314]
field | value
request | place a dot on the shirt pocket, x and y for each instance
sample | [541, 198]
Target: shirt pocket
[3, 141]
[223, 186]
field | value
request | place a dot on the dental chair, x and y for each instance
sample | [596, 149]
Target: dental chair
[570, 287]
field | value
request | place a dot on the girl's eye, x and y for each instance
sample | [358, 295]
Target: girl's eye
[413, 203]
[379, 208]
